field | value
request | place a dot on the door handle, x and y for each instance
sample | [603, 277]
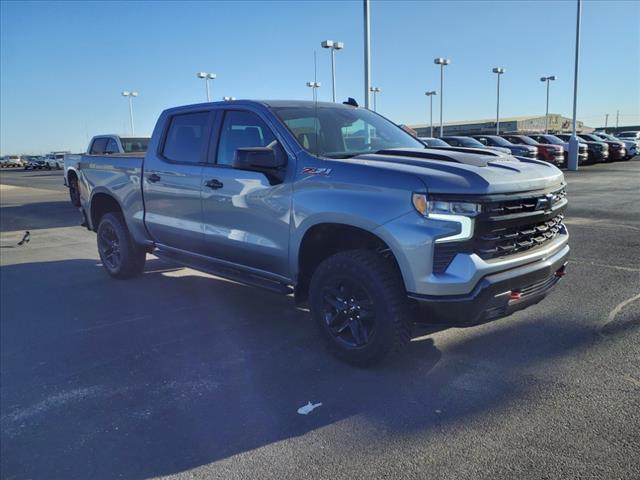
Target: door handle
[153, 178]
[214, 184]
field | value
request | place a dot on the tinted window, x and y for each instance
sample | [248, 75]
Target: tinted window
[132, 145]
[185, 137]
[453, 142]
[470, 142]
[242, 130]
[112, 146]
[99, 146]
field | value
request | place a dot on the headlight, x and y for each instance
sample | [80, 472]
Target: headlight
[462, 213]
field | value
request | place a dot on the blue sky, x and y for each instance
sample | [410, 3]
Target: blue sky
[63, 65]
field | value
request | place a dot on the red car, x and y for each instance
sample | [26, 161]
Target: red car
[550, 153]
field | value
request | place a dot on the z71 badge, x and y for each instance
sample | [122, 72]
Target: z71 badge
[316, 171]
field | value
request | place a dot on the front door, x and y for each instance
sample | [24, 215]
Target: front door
[245, 215]
[172, 181]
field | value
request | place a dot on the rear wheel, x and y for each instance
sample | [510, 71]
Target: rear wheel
[74, 192]
[121, 257]
[358, 302]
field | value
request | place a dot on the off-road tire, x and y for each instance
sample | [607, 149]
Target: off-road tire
[379, 277]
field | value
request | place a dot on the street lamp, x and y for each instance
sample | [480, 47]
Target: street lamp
[499, 71]
[314, 86]
[546, 115]
[430, 95]
[130, 96]
[206, 77]
[375, 90]
[442, 62]
[333, 46]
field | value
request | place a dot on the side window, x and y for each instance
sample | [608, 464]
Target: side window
[454, 142]
[186, 137]
[99, 146]
[112, 147]
[242, 130]
[482, 140]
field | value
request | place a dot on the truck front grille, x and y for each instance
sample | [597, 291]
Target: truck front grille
[508, 226]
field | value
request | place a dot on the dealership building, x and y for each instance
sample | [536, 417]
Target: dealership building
[527, 124]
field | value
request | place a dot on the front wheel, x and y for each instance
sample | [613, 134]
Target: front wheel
[360, 307]
[121, 257]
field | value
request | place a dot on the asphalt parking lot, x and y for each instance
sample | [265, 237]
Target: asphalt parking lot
[183, 375]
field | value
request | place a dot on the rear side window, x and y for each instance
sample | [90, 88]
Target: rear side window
[99, 146]
[242, 130]
[186, 137]
[112, 147]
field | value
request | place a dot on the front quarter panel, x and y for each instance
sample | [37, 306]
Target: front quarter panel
[331, 191]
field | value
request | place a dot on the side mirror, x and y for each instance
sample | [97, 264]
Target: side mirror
[261, 159]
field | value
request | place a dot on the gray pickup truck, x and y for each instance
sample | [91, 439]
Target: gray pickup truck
[341, 208]
[102, 145]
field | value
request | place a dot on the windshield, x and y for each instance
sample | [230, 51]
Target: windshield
[527, 141]
[131, 144]
[435, 142]
[469, 142]
[501, 142]
[591, 138]
[339, 132]
[554, 140]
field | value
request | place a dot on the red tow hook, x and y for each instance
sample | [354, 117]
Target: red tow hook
[561, 272]
[515, 295]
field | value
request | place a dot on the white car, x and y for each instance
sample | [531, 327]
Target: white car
[12, 161]
[54, 160]
[629, 135]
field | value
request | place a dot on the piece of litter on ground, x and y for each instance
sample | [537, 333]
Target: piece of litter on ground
[308, 408]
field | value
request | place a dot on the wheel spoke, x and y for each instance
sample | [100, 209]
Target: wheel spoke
[359, 332]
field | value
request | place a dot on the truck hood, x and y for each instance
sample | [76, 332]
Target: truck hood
[464, 173]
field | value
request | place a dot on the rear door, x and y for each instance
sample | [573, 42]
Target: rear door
[172, 180]
[246, 215]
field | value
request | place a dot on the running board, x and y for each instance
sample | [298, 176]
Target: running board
[204, 264]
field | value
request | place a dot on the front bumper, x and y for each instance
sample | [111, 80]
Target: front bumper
[496, 295]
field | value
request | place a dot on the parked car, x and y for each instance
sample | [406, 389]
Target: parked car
[629, 135]
[433, 142]
[632, 146]
[617, 150]
[13, 161]
[597, 151]
[438, 144]
[54, 160]
[100, 145]
[339, 206]
[549, 153]
[34, 163]
[469, 142]
[548, 139]
[496, 141]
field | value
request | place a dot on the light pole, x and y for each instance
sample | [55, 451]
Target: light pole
[442, 62]
[546, 115]
[498, 71]
[606, 121]
[206, 77]
[375, 90]
[367, 53]
[333, 46]
[430, 95]
[573, 141]
[130, 96]
[314, 86]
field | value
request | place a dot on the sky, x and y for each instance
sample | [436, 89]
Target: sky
[64, 64]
